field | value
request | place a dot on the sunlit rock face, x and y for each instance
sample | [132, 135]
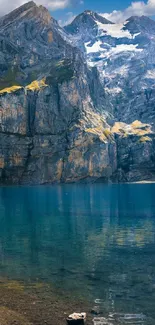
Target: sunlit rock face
[76, 104]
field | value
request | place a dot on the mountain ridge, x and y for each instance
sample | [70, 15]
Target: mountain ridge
[86, 17]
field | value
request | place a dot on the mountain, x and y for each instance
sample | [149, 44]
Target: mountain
[86, 22]
[124, 57]
[76, 103]
[84, 27]
[30, 39]
[142, 24]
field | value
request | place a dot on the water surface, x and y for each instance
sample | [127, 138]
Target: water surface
[96, 242]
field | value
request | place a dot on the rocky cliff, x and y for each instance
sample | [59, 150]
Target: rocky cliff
[74, 106]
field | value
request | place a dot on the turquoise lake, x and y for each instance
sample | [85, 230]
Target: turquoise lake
[95, 241]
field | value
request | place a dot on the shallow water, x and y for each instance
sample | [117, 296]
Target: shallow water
[94, 242]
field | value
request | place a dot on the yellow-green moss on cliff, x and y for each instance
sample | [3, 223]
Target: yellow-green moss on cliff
[136, 128]
[36, 85]
[145, 139]
[10, 90]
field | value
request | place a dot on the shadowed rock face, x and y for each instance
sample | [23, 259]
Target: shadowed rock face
[58, 122]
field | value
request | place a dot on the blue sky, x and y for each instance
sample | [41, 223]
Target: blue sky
[101, 6]
[96, 5]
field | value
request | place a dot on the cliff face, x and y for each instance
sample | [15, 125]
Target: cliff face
[57, 121]
[46, 134]
[55, 135]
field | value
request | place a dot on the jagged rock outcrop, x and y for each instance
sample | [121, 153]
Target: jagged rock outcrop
[60, 121]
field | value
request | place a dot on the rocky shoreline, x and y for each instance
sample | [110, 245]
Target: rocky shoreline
[37, 304]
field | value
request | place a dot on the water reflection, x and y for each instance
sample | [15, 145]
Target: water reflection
[97, 241]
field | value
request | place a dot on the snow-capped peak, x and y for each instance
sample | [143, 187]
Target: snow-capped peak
[87, 21]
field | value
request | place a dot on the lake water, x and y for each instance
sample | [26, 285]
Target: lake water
[92, 241]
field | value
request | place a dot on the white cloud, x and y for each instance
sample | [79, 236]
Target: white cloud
[137, 8]
[54, 4]
[6, 6]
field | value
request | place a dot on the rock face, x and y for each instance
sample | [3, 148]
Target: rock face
[76, 104]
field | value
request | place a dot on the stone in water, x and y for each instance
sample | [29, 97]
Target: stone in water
[76, 318]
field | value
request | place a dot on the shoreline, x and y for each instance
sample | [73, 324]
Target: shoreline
[142, 182]
[37, 303]
[52, 185]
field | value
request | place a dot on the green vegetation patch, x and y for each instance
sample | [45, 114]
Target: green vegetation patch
[10, 78]
[60, 72]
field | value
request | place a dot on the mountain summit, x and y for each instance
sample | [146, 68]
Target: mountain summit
[27, 11]
[30, 37]
[87, 21]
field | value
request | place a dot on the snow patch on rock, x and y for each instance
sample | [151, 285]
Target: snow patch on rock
[115, 30]
[107, 53]
[115, 90]
[96, 47]
[150, 74]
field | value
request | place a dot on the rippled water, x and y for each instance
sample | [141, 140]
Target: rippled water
[96, 241]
